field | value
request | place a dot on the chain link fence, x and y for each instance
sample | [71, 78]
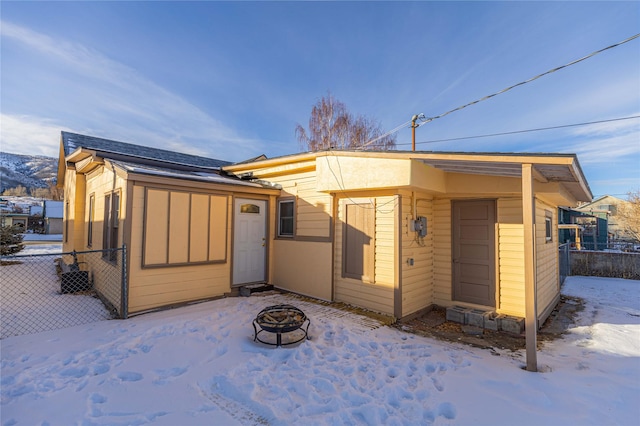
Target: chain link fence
[564, 258]
[43, 292]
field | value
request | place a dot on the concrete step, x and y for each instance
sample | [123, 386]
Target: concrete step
[248, 290]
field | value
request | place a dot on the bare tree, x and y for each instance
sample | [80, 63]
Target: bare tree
[628, 215]
[332, 126]
[18, 191]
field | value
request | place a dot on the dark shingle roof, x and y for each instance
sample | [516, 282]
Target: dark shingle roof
[121, 150]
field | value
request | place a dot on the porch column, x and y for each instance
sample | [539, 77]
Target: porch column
[529, 223]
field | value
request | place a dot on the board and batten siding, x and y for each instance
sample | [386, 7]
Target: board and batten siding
[417, 279]
[160, 286]
[378, 293]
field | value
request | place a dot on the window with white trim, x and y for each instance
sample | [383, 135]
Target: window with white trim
[548, 226]
[286, 218]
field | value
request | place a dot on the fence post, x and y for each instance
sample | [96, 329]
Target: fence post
[124, 302]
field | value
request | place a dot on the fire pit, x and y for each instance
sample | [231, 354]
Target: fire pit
[280, 319]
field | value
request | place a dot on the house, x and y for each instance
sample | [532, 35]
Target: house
[398, 232]
[174, 212]
[9, 218]
[47, 217]
[53, 216]
[583, 231]
[395, 232]
[606, 207]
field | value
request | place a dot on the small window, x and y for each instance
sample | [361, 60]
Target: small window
[250, 208]
[110, 225]
[67, 211]
[548, 228]
[92, 206]
[286, 218]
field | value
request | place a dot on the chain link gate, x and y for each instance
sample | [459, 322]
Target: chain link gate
[42, 292]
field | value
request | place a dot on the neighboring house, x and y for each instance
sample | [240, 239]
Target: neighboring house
[587, 231]
[395, 232]
[14, 219]
[606, 207]
[53, 216]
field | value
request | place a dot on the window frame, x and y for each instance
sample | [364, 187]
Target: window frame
[548, 226]
[91, 220]
[67, 212]
[111, 225]
[292, 218]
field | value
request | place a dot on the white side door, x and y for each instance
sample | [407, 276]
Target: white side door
[249, 241]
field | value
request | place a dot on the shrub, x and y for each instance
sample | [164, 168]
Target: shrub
[10, 240]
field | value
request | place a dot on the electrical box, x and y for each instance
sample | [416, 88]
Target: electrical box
[420, 226]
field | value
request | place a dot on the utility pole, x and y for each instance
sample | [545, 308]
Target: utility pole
[413, 132]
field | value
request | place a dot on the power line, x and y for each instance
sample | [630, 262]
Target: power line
[523, 131]
[430, 119]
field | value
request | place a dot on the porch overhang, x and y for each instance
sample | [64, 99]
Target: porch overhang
[557, 178]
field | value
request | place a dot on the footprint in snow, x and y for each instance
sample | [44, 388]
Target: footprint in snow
[447, 410]
[96, 398]
[76, 372]
[437, 384]
[130, 376]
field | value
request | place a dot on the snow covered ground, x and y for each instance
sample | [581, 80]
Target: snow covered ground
[31, 300]
[198, 365]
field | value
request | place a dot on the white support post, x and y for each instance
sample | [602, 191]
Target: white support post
[529, 223]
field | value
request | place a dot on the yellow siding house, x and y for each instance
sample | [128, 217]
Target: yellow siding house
[399, 232]
[391, 231]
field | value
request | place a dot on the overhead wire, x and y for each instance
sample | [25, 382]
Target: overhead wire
[513, 132]
[430, 119]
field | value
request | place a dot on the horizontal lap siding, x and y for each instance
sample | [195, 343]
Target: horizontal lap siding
[417, 280]
[442, 252]
[547, 256]
[385, 240]
[379, 295]
[154, 287]
[510, 257]
[104, 183]
[313, 209]
[303, 267]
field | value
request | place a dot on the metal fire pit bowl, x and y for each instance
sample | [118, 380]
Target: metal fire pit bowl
[280, 319]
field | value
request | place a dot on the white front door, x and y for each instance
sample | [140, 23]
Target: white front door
[249, 241]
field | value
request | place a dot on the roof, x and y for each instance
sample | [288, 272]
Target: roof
[200, 176]
[549, 167]
[54, 209]
[107, 148]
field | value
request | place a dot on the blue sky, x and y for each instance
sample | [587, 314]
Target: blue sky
[231, 80]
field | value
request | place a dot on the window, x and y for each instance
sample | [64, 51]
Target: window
[250, 208]
[111, 223]
[548, 228]
[66, 222]
[286, 210]
[92, 207]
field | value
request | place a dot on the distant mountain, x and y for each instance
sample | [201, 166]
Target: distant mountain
[30, 171]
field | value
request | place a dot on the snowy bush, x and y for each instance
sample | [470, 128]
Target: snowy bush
[10, 240]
